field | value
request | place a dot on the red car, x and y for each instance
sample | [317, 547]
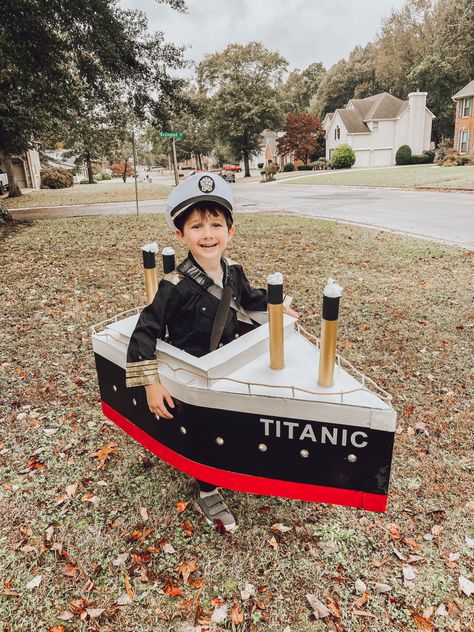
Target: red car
[231, 168]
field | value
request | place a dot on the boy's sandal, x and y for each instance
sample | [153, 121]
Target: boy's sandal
[215, 510]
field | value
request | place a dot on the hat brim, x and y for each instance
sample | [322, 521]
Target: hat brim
[180, 208]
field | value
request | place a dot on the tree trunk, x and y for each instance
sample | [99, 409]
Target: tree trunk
[124, 174]
[90, 173]
[245, 153]
[6, 160]
[198, 161]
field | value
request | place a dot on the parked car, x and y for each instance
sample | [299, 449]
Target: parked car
[3, 182]
[229, 176]
[230, 167]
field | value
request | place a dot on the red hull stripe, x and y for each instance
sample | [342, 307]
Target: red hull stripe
[246, 482]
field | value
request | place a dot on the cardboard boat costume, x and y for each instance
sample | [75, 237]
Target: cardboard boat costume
[250, 415]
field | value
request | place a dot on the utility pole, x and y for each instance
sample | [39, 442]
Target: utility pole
[135, 169]
[175, 163]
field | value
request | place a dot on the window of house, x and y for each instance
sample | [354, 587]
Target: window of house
[467, 107]
[337, 133]
[464, 141]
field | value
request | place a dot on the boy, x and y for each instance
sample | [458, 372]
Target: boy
[200, 306]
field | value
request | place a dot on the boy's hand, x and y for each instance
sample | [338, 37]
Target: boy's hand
[156, 396]
[291, 312]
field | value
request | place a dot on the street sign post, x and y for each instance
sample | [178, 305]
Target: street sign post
[171, 134]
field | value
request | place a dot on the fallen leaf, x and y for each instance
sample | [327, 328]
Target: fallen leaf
[220, 614]
[35, 582]
[236, 614]
[466, 585]
[49, 533]
[421, 623]
[144, 514]
[128, 587]
[56, 628]
[120, 559]
[186, 568]
[217, 602]
[70, 570]
[364, 613]
[95, 612]
[89, 498]
[436, 529]
[247, 592]
[320, 611]
[280, 527]
[188, 528]
[66, 615]
[399, 555]
[195, 583]
[123, 600]
[273, 543]
[470, 542]
[105, 451]
[181, 506]
[409, 574]
[382, 587]
[360, 586]
[334, 607]
[441, 611]
[171, 589]
[393, 530]
[168, 549]
[71, 490]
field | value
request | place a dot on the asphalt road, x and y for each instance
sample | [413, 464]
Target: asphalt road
[445, 217]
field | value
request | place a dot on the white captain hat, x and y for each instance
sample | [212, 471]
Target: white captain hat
[201, 187]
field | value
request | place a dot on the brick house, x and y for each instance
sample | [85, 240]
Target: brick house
[464, 126]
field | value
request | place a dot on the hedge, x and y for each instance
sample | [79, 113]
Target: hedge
[56, 178]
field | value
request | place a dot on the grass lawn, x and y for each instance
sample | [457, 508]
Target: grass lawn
[413, 177]
[85, 547]
[102, 192]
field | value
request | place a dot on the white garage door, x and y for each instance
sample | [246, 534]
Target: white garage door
[381, 157]
[362, 158]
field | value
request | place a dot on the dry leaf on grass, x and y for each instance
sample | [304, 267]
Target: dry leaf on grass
[466, 586]
[105, 451]
[144, 514]
[220, 614]
[188, 528]
[320, 611]
[35, 582]
[66, 615]
[280, 527]
[236, 614]
[123, 600]
[273, 543]
[248, 591]
[181, 506]
[422, 623]
[186, 568]
[94, 613]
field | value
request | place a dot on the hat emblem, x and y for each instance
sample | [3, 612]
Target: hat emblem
[206, 184]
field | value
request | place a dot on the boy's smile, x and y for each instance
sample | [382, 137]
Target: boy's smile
[207, 237]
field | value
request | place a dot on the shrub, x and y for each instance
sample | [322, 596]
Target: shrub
[321, 163]
[86, 181]
[56, 178]
[430, 155]
[442, 150]
[451, 159]
[117, 169]
[260, 165]
[403, 155]
[418, 159]
[305, 167]
[343, 157]
[289, 167]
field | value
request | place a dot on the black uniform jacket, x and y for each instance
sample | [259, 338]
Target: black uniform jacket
[184, 310]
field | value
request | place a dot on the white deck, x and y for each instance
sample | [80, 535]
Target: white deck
[239, 377]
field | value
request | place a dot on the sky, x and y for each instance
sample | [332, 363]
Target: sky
[303, 31]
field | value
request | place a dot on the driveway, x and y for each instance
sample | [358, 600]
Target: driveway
[445, 217]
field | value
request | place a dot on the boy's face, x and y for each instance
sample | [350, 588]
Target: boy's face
[206, 235]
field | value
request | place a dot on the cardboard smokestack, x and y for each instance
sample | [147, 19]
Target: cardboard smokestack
[168, 256]
[275, 321]
[149, 267]
[327, 352]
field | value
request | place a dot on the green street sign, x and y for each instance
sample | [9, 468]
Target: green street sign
[171, 135]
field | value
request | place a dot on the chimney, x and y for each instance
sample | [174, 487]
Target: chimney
[416, 127]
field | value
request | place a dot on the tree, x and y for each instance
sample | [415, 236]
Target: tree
[303, 132]
[54, 53]
[194, 124]
[241, 82]
[296, 92]
[347, 79]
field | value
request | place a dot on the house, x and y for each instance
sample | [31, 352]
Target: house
[464, 125]
[26, 169]
[269, 151]
[375, 127]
